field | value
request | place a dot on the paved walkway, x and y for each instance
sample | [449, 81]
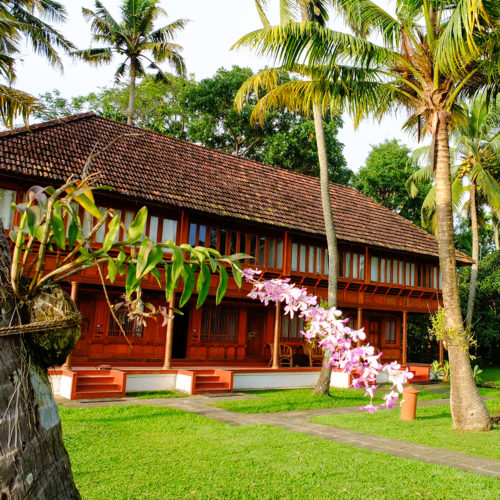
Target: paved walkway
[299, 421]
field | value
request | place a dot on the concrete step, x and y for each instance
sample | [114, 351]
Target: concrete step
[96, 387]
[94, 394]
[207, 378]
[96, 379]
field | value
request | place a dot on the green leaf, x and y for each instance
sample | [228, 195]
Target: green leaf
[169, 284]
[187, 274]
[113, 228]
[221, 289]
[156, 273]
[72, 233]
[132, 283]
[136, 229]
[177, 263]
[238, 256]
[142, 257]
[58, 228]
[203, 284]
[88, 205]
[236, 274]
[34, 217]
[112, 270]
[155, 257]
[213, 263]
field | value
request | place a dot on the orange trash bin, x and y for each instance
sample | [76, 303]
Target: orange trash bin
[409, 403]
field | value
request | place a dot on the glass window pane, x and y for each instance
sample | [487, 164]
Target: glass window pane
[262, 250]
[341, 263]
[434, 276]
[412, 275]
[293, 327]
[192, 234]
[419, 275]
[382, 270]
[348, 257]
[387, 332]
[374, 269]
[7, 197]
[355, 259]
[286, 326]
[361, 267]
[279, 255]
[213, 238]
[401, 268]
[169, 230]
[424, 276]
[153, 228]
[243, 243]
[440, 280]
[395, 271]
[232, 248]
[99, 236]
[202, 236]
[318, 260]
[310, 268]
[272, 252]
[222, 242]
[407, 279]
[302, 263]
[253, 247]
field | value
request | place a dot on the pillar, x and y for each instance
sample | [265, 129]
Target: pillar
[74, 297]
[359, 321]
[167, 363]
[276, 342]
[405, 337]
[441, 352]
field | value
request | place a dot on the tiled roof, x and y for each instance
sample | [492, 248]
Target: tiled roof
[152, 167]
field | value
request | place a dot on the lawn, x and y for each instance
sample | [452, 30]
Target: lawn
[432, 427]
[158, 453]
[155, 394]
[303, 399]
[491, 375]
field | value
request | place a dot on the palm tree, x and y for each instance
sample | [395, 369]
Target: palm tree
[136, 39]
[310, 10]
[24, 20]
[431, 53]
[477, 141]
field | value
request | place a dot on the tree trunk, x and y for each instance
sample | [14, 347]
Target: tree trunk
[33, 460]
[467, 408]
[475, 254]
[323, 383]
[131, 95]
[496, 239]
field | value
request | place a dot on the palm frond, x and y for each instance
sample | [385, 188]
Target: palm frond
[16, 104]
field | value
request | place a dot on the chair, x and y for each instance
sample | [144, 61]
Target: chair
[285, 354]
[315, 353]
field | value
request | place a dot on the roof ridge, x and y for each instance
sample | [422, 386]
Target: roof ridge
[47, 124]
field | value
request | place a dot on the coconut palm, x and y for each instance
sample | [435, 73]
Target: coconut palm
[307, 10]
[477, 139]
[25, 20]
[136, 39]
[430, 54]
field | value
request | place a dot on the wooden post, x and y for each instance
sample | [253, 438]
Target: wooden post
[359, 323]
[405, 338]
[441, 352]
[276, 349]
[167, 363]
[74, 296]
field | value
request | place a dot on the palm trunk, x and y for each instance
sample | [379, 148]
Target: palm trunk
[323, 383]
[33, 460]
[475, 254]
[467, 408]
[496, 239]
[131, 95]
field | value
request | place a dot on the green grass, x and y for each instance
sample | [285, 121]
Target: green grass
[158, 453]
[491, 375]
[303, 399]
[432, 427]
[155, 394]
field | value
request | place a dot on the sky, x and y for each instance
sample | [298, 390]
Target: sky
[215, 25]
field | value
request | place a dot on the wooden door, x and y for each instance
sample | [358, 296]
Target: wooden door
[86, 306]
[256, 325]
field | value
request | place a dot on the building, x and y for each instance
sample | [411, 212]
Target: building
[388, 266]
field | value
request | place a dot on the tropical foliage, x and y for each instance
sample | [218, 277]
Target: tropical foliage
[136, 39]
[25, 20]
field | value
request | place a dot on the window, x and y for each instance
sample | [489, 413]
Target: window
[295, 256]
[133, 328]
[219, 324]
[291, 328]
[7, 197]
[374, 268]
[153, 228]
[390, 331]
